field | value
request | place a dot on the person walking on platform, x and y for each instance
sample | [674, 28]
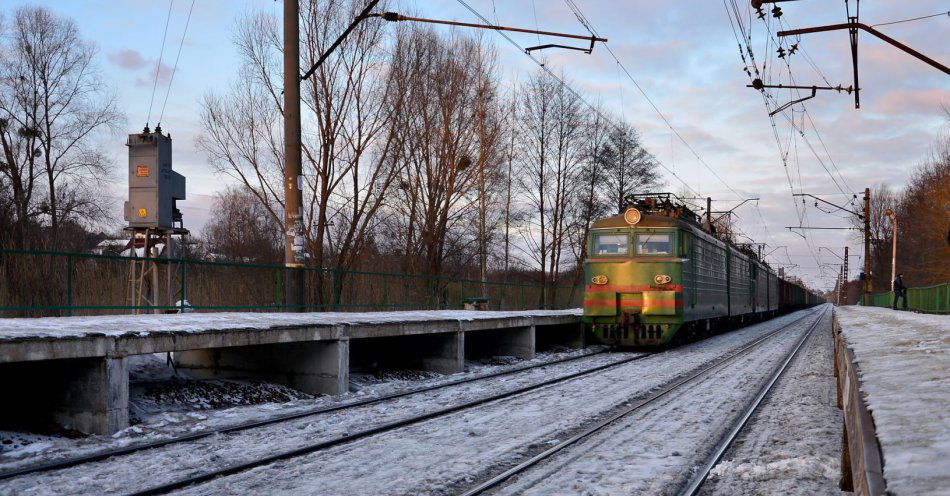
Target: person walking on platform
[900, 290]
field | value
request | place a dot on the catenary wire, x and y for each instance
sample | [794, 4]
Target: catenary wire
[587, 24]
[564, 84]
[175, 68]
[158, 68]
[938, 14]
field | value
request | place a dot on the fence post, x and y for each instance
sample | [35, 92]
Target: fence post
[522, 297]
[336, 289]
[184, 285]
[69, 285]
[431, 292]
[385, 291]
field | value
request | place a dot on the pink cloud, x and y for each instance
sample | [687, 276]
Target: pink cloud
[164, 75]
[128, 59]
[902, 101]
[131, 60]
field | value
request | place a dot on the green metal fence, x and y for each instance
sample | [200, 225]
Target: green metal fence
[44, 283]
[932, 299]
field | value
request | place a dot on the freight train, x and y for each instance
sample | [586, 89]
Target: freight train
[658, 274]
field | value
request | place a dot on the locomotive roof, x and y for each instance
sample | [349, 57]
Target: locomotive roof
[646, 220]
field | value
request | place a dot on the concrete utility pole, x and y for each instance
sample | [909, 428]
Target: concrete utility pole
[867, 246]
[844, 271]
[838, 288]
[890, 213]
[293, 196]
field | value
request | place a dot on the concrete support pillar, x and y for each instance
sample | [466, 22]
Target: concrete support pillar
[94, 396]
[89, 395]
[517, 342]
[445, 353]
[315, 367]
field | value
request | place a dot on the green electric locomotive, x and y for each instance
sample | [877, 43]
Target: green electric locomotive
[657, 274]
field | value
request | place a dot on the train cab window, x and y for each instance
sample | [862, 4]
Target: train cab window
[654, 244]
[610, 244]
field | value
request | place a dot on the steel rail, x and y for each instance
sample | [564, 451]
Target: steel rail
[388, 426]
[663, 391]
[99, 456]
[696, 482]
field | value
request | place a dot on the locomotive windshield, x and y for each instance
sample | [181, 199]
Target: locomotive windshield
[610, 244]
[654, 244]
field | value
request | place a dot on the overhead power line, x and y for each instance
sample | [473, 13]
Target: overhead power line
[938, 14]
[568, 87]
[586, 22]
[158, 68]
[175, 68]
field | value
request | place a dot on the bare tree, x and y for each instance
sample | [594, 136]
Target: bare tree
[53, 106]
[628, 166]
[450, 138]
[348, 143]
[591, 202]
[490, 156]
[242, 229]
[509, 153]
[552, 123]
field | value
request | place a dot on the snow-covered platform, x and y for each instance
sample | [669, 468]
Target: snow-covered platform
[894, 378]
[74, 368]
[50, 338]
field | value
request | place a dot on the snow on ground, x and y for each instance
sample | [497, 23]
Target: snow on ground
[164, 403]
[792, 444]
[142, 325]
[651, 450]
[421, 458]
[903, 361]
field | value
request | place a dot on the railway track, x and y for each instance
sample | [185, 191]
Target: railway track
[322, 445]
[695, 482]
[667, 389]
[386, 427]
[106, 454]
[239, 467]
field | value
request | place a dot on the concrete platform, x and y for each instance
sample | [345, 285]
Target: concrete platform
[894, 388]
[78, 362]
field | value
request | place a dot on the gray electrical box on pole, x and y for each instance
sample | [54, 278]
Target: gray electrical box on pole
[154, 188]
[152, 212]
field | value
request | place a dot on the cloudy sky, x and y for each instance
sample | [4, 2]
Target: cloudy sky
[683, 55]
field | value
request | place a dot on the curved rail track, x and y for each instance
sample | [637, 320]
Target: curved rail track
[660, 393]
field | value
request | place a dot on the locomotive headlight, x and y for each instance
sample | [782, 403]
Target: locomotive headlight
[601, 279]
[662, 278]
[632, 216]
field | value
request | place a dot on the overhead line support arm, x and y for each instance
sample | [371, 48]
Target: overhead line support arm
[869, 29]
